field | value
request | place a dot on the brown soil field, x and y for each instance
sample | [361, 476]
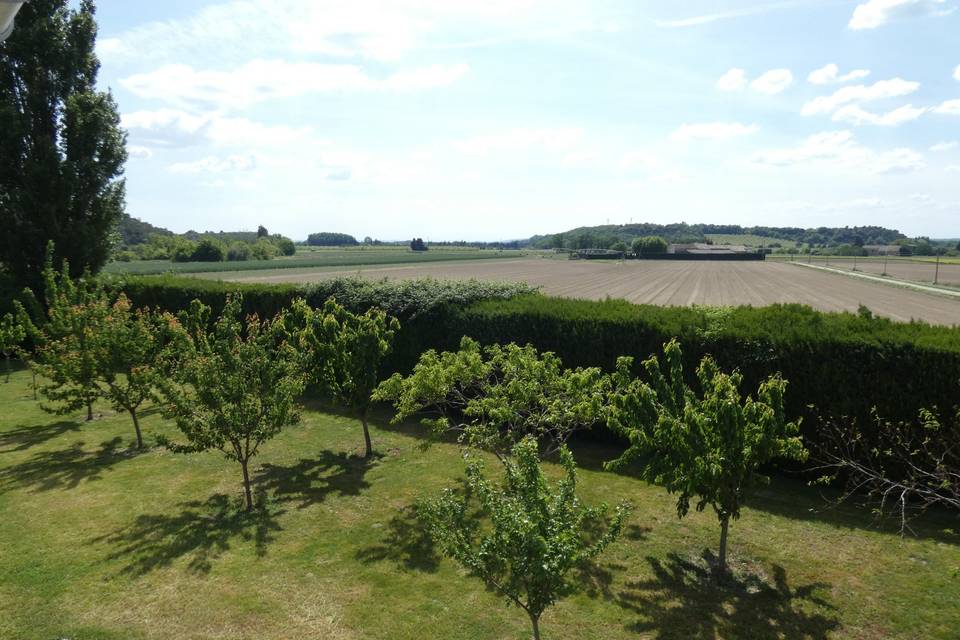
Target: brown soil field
[665, 283]
[922, 272]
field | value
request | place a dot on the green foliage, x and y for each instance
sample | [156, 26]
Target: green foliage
[133, 348]
[537, 534]
[494, 397]
[12, 335]
[709, 446]
[342, 352]
[417, 244]
[236, 387]
[64, 331]
[326, 239]
[649, 245]
[62, 150]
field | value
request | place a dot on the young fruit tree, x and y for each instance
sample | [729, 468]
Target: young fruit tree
[236, 387]
[64, 330]
[12, 334]
[343, 352]
[708, 446]
[493, 397]
[132, 349]
[529, 536]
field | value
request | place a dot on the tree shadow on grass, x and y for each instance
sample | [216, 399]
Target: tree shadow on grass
[23, 437]
[65, 468]
[310, 480]
[684, 601]
[202, 531]
[406, 543]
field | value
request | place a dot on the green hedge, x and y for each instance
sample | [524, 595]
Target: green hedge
[840, 363]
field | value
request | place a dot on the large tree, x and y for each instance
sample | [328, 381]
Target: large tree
[62, 150]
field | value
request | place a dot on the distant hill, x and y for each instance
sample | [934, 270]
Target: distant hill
[605, 235]
[134, 231]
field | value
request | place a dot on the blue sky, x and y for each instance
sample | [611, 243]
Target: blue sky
[498, 119]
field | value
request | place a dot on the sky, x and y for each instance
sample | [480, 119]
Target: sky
[500, 119]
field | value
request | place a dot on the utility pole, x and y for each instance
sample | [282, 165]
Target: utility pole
[936, 274]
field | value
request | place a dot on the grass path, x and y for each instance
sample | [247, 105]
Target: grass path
[98, 542]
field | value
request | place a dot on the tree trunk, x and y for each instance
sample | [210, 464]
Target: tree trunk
[366, 435]
[535, 623]
[89, 411]
[722, 562]
[136, 427]
[246, 486]
[33, 374]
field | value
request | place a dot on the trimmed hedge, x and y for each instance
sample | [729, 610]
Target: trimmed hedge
[842, 364]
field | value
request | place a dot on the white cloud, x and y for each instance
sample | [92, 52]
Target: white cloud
[857, 116]
[945, 146]
[838, 149]
[261, 80]
[953, 168]
[830, 74]
[732, 80]
[521, 140]
[773, 81]
[174, 128]
[956, 73]
[859, 93]
[214, 164]
[950, 107]
[713, 131]
[875, 13]
[139, 152]
[695, 21]
[371, 29]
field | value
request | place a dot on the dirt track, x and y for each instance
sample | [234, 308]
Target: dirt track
[922, 272]
[668, 283]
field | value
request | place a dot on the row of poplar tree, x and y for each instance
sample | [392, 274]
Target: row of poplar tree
[231, 383]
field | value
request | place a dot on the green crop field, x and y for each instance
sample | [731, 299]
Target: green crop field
[104, 543]
[309, 257]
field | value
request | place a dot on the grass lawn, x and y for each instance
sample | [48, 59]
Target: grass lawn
[307, 257]
[98, 541]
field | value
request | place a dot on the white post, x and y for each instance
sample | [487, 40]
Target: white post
[8, 11]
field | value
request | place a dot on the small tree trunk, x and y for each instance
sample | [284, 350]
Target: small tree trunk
[136, 427]
[33, 374]
[246, 486]
[535, 623]
[722, 562]
[89, 411]
[366, 435]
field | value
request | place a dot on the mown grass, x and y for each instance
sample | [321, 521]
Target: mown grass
[100, 542]
[311, 258]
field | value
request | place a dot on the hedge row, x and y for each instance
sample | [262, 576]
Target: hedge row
[402, 299]
[838, 364]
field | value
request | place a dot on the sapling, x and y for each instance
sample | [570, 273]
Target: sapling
[237, 387]
[533, 535]
[707, 446]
